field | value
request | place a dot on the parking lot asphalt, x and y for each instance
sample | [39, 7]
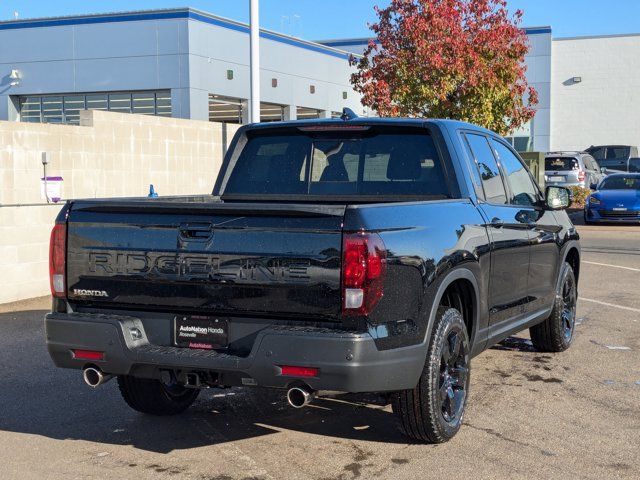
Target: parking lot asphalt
[530, 415]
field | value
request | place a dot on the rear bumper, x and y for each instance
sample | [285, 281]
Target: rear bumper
[567, 184]
[347, 362]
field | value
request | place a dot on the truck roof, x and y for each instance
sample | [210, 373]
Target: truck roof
[447, 124]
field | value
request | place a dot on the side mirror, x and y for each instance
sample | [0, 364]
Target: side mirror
[593, 186]
[558, 198]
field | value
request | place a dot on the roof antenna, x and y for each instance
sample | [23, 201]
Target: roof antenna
[348, 114]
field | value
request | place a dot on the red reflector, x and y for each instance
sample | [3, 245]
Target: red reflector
[581, 175]
[290, 371]
[88, 355]
[57, 265]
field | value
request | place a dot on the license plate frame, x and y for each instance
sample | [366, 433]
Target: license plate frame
[200, 332]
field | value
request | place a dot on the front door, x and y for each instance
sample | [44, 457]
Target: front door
[541, 226]
[509, 236]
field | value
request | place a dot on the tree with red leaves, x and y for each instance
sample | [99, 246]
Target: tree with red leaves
[461, 59]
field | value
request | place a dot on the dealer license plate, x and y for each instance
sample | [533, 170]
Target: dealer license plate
[194, 331]
[619, 209]
[556, 179]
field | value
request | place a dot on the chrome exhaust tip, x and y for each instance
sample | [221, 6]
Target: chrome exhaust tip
[94, 377]
[299, 397]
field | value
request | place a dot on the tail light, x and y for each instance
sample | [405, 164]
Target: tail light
[57, 260]
[364, 267]
[581, 175]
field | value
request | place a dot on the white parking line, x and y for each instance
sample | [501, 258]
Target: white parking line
[612, 266]
[631, 309]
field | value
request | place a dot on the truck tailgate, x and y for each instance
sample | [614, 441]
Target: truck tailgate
[192, 255]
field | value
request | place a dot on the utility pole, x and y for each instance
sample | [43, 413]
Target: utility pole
[255, 61]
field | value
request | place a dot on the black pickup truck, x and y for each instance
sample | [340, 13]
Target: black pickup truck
[346, 255]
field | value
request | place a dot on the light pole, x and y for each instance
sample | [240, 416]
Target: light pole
[255, 61]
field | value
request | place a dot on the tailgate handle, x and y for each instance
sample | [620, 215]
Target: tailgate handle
[196, 231]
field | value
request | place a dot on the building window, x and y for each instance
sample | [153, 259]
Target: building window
[522, 139]
[120, 102]
[66, 109]
[270, 112]
[72, 106]
[30, 109]
[225, 109]
[520, 144]
[303, 113]
[97, 102]
[163, 103]
[52, 111]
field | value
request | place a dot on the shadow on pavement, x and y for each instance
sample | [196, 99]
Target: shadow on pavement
[515, 344]
[38, 399]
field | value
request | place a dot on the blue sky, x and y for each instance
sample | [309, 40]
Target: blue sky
[318, 19]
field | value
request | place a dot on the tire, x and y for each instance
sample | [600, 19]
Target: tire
[433, 411]
[155, 398]
[555, 334]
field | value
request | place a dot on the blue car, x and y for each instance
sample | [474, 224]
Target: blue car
[615, 199]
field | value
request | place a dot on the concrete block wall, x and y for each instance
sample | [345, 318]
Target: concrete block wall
[108, 155]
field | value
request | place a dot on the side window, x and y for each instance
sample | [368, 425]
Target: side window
[523, 190]
[589, 163]
[475, 176]
[489, 172]
[597, 153]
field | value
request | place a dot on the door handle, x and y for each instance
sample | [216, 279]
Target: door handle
[497, 222]
[196, 232]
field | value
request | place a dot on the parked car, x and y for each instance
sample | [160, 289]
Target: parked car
[572, 169]
[615, 199]
[614, 157]
[354, 255]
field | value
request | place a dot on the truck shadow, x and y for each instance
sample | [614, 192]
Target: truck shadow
[38, 399]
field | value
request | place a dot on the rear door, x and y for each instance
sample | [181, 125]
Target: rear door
[508, 233]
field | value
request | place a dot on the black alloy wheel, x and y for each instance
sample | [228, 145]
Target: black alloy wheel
[453, 377]
[556, 333]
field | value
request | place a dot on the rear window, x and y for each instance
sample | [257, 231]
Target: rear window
[597, 152]
[561, 163]
[338, 163]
